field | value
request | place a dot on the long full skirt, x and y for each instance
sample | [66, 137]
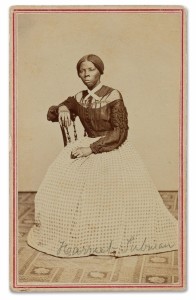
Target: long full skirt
[103, 204]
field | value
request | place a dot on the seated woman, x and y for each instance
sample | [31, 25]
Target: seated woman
[97, 196]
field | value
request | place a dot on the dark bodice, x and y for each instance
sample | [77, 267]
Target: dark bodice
[106, 117]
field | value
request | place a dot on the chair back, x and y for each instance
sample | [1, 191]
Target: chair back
[52, 116]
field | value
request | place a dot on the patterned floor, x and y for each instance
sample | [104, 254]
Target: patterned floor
[38, 267]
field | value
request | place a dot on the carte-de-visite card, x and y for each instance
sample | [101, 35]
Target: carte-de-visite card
[97, 148]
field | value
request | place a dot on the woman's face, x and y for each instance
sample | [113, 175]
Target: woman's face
[89, 74]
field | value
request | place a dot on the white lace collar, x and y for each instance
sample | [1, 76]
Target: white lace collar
[93, 91]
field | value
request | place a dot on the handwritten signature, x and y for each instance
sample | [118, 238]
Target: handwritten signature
[130, 247]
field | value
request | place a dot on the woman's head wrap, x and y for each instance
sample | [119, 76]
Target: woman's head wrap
[96, 60]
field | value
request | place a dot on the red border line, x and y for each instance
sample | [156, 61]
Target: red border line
[182, 153]
[101, 10]
[101, 286]
[45, 11]
[93, 12]
[161, 10]
[14, 154]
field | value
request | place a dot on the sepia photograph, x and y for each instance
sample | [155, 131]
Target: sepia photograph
[98, 148]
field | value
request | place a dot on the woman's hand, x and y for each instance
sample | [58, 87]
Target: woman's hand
[64, 116]
[81, 152]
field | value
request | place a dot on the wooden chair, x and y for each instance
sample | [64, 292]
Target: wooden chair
[52, 116]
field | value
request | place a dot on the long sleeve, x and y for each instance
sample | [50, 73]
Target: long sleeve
[118, 135]
[71, 104]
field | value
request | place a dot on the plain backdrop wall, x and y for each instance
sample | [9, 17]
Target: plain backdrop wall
[142, 56]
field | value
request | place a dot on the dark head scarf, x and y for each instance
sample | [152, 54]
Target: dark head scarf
[96, 60]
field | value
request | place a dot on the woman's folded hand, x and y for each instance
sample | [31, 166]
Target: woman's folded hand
[81, 152]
